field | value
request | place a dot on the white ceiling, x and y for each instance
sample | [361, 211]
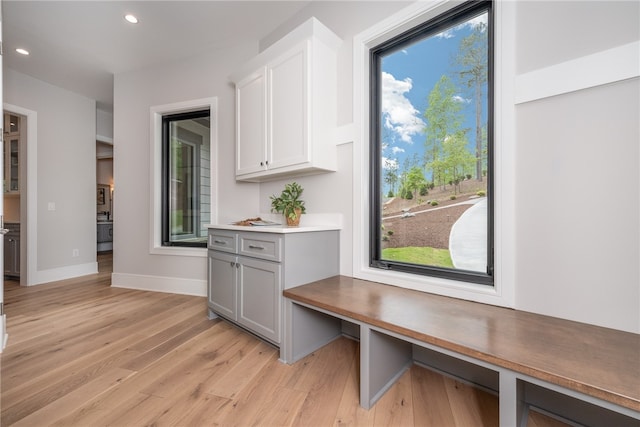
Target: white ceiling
[79, 45]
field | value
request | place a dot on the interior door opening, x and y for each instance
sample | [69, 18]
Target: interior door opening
[104, 201]
[14, 196]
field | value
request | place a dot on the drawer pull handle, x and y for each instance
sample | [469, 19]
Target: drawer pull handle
[256, 247]
[220, 242]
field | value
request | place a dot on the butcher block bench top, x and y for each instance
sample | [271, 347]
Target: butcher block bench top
[596, 361]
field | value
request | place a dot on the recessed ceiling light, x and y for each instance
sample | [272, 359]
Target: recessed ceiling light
[131, 18]
[22, 51]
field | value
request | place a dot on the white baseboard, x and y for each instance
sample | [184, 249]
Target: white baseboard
[62, 273]
[173, 285]
[3, 332]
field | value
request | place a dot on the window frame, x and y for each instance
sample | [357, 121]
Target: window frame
[156, 172]
[452, 17]
[166, 177]
[503, 291]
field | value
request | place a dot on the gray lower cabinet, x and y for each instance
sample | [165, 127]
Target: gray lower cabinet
[247, 272]
[105, 232]
[12, 250]
[222, 278]
[105, 236]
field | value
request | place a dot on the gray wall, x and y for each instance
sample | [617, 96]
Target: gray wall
[134, 94]
[65, 174]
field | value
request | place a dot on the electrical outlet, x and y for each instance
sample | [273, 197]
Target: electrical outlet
[75, 253]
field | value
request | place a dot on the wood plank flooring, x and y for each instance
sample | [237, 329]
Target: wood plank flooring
[81, 353]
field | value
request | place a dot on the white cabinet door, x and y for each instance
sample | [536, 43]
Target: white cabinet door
[251, 123]
[259, 291]
[288, 141]
[297, 112]
[223, 273]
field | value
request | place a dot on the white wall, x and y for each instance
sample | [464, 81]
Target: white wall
[65, 173]
[134, 94]
[558, 269]
[104, 126]
[577, 184]
[577, 206]
[205, 76]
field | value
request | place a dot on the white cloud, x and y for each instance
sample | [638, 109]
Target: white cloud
[396, 150]
[481, 19]
[450, 32]
[389, 164]
[446, 34]
[399, 115]
[461, 100]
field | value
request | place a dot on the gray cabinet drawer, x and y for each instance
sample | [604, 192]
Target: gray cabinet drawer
[223, 241]
[260, 245]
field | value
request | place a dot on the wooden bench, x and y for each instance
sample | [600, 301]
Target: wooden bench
[528, 359]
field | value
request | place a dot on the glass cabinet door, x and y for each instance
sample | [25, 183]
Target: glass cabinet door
[14, 182]
[12, 165]
[11, 153]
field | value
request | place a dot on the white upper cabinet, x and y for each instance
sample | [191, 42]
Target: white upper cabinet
[285, 107]
[251, 107]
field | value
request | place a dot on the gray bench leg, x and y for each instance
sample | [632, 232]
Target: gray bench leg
[383, 360]
[512, 406]
[305, 331]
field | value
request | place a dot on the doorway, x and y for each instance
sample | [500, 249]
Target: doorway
[14, 195]
[104, 203]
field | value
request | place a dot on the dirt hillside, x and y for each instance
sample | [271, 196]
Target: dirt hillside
[416, 222]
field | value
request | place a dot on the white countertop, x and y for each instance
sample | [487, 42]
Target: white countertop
[309, 223]
[273, 228]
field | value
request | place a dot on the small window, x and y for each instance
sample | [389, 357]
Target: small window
[186, 206]
[431, 148]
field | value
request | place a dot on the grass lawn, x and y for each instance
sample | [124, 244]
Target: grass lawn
[419, 255]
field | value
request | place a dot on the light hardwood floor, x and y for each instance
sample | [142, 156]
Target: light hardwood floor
[84, 354]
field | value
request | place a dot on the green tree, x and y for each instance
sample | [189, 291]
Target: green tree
[407, 165]
[391, 174]
[443, 118]
[458, 160]
[472, 60]
[415, 180]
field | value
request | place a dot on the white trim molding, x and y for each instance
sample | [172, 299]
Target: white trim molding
[503, 291]
[62, 273]
[601, 68]
[30, 212]
[155, 232]
[172, 285]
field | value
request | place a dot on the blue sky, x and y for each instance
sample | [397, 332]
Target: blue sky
[408, 76]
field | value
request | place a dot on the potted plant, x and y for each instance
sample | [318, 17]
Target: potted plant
[289, 203]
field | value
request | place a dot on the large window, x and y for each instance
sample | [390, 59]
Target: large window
[431, 150]
[186, 205]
